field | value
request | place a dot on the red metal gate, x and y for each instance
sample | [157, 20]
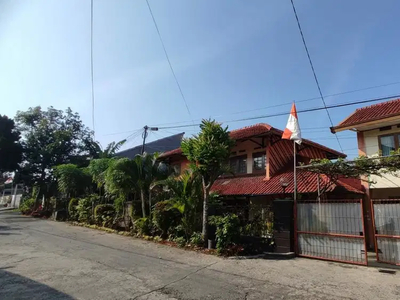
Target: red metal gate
[386, 214]
[331, 230]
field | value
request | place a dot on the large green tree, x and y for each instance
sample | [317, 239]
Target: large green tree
[120, 179]
[208, 153]
[51, 137]
[10, 147]
[72, 181]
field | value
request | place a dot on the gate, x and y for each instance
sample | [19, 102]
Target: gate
[386, 214]
[331, 230]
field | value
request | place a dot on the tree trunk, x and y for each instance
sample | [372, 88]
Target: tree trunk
[143, 203]
[37, 199]
[206, 191]
[150, 202]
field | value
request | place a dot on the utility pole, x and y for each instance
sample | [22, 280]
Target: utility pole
[145, 133]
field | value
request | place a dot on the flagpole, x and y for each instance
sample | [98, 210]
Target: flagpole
[294, 173]
[295, 198]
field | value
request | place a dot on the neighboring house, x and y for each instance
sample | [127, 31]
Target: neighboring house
[378, 133]
[263, 177]
[263, 165]
[162, 145]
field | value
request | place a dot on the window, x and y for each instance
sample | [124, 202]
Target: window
[239, 164]
[259, 161]
[388, 143]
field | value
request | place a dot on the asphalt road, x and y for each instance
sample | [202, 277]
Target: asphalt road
[50, 260]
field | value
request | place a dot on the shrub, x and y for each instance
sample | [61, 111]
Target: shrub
[180, 241]
[119, 203]
[52, 203]
[164, 217]
[157, 239]
[27, 206]
[176, 232]
[143, 226]
[72, 212]
[104, 214]
[197, 239]
[84, 210]
[228, 231]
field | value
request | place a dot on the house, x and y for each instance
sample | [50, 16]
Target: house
[263, 165]
[378, 134]
[263, 178]
[161, 145]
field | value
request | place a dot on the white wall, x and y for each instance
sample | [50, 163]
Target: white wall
[372, 148]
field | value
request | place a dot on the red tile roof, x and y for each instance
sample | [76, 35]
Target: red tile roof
[172, 152]
[371, 113]
[249, 131]
[257, 185]
[259, 129]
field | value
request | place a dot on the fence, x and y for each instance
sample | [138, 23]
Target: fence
[387, 230]
[331, 230]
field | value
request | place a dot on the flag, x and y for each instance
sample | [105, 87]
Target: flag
[292, 130]
[8, 181]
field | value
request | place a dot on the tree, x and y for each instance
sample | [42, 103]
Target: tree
[186, 197]
[72, 180]
[360, 166]
[96, 151]
[51, 137]
[10, 147]
[121, 177]
[97, 169]
[208, 153]
[149, 170]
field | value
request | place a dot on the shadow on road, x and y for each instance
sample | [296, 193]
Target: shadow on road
[14, 286]
[5, 230]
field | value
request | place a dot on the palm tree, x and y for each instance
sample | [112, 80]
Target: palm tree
[120, 177]
[186, 197]
[97, 169]
[149, 170]
[112, 148]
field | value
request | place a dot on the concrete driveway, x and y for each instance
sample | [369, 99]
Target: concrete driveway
[50, 260]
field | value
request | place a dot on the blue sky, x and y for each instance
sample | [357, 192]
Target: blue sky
[229, 56]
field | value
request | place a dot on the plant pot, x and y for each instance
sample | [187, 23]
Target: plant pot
[211, 244]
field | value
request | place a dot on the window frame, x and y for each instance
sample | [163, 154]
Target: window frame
[263, 168]
[396, 141]
[236, 159]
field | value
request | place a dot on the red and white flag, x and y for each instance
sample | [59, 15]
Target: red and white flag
[292, 130]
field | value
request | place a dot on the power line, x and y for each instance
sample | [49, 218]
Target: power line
[289, 103]
[313, 70]
[91, 62]
[122, 132]
[169, 61]
[134, 135]
[299, 111]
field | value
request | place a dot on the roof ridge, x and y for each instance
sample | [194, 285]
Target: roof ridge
[377, 104]
[370, 113]
[251, 126]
